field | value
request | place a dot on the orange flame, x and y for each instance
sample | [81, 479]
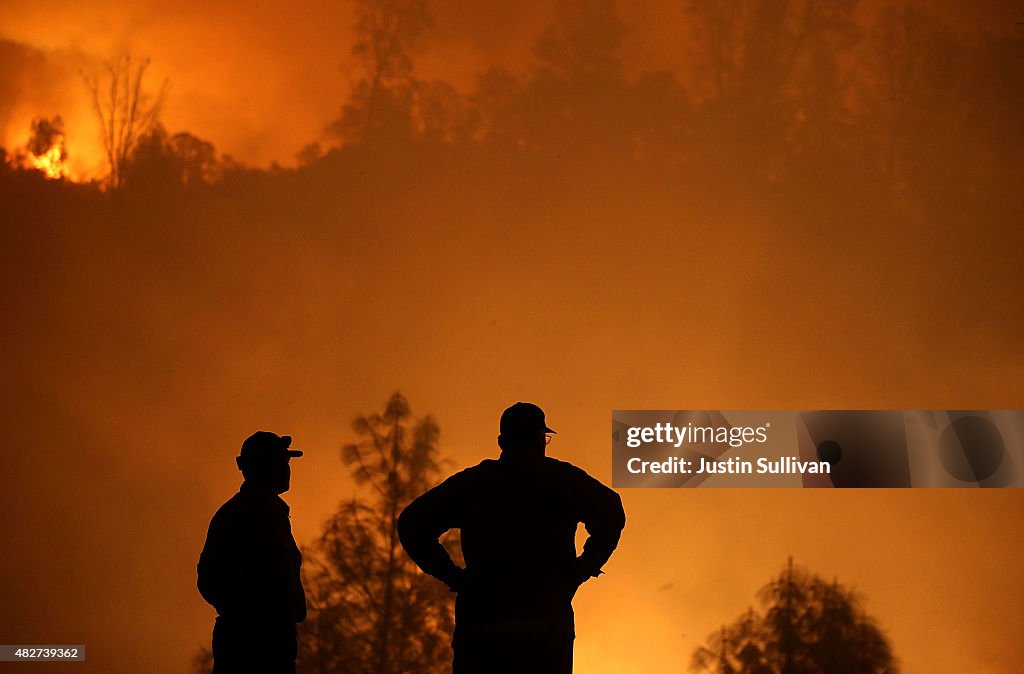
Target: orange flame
[50, 162]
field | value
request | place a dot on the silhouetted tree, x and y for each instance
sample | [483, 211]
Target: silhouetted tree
[806, 626]
[577, 99]
[161, 159]
[769, 72]
[382, 99]
[578, 96]
[310, 153]
[931, 110]
[371, 610]
[124, 110]
[584, 43]
[443, 114]
[495, 97]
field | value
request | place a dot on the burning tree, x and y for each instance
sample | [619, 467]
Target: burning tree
[124, 110]
[45, 150]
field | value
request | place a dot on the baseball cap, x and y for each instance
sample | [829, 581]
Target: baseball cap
[263, 445]
[523, 418]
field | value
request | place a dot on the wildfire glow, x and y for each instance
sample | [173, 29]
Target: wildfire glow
[51, 162]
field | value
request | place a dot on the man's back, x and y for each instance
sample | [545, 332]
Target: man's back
[518, 519]
[249, 567]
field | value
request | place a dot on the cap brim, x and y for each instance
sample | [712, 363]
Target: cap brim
[286, 440]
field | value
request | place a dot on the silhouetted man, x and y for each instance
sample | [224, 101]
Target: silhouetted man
[518, 517]
[249, 567]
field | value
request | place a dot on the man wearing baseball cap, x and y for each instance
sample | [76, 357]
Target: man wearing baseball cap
[517, 516]
[249, 567]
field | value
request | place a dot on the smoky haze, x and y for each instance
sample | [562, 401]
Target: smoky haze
[697, 205]
[297, 58]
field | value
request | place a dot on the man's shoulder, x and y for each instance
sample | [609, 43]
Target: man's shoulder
[231, 506]
[559, 464]
[246, 505]
[479, 471]
[228, 512]
[564, 468]
[495, 469]
[573, 477]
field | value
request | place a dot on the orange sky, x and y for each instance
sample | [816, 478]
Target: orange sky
[133, 396]
[140, 354]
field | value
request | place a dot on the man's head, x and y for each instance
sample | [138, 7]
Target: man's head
[264, 460]
[523, 430]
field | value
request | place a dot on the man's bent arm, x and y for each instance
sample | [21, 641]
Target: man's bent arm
[420, 526]
[604, 519]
